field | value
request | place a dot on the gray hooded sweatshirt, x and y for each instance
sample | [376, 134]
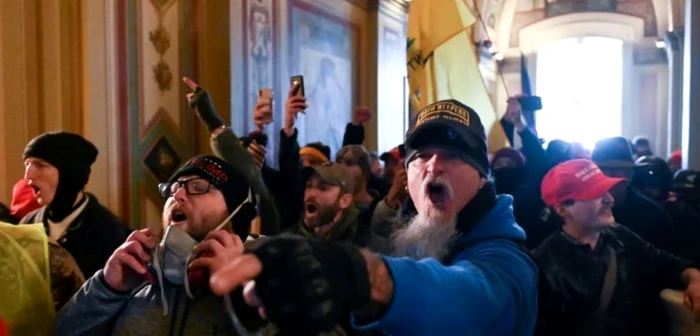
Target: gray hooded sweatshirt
[98, 310]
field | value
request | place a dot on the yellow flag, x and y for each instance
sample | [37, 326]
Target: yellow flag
[442, 63]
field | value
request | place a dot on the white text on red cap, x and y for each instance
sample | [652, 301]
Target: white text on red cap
[588, 172]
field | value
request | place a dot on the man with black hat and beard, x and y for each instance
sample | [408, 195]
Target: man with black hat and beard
[459, 269]
[57, 167]
[158, 285]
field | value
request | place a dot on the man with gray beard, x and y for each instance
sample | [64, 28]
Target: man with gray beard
[461, 271]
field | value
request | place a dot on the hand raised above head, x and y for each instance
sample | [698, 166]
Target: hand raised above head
[200, 101]
[262, 114]
[361, 115]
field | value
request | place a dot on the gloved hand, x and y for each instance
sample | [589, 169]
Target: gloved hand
[308, 286]
[200, 101]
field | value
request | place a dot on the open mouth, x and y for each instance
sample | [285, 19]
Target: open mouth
[311, 208]
[437, 193]
[178, 216]
[34, 188]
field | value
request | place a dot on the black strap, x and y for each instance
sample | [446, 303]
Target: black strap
[610, 282]
[598, 322]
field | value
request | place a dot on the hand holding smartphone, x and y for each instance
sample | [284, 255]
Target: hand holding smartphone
[262, 115]
[297, 83]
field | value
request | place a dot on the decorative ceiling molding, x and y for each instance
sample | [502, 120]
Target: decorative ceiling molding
[624, 27]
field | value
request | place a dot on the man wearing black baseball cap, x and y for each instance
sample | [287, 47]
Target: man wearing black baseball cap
[57, 168]
[158, 285]
[638, 213]
[458, 255]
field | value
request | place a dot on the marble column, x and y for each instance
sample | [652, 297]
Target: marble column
[691, 87]
[674, 51]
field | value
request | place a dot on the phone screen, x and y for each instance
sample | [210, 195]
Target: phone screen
[297, 81]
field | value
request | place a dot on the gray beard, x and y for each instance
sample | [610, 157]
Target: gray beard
[426, 237]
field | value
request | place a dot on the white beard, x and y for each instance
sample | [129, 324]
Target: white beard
[426, 237]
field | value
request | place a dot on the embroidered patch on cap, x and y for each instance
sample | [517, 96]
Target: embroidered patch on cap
[211, 168]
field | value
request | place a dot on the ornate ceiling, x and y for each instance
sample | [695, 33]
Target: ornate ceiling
[505, 18]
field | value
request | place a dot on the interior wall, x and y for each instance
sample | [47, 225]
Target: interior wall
[111, 70]
[41, 66]
[272, 40]
[522, 27]
[392, 115]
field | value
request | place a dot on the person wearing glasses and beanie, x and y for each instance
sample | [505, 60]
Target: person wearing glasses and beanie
[158, 284]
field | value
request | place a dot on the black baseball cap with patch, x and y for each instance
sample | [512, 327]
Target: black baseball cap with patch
[331, 173]
[453, 126]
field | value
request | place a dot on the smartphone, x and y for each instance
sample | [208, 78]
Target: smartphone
[297, 80]
[530, 103]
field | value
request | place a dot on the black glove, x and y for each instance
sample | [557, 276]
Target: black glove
[201, 103]
[308, 286]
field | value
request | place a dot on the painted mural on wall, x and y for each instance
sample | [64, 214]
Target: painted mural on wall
[532, 11]
[261, 49]
[324, 51]
[153, 52]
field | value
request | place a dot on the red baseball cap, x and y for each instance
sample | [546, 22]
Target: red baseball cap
[394, 154]
[576, 180]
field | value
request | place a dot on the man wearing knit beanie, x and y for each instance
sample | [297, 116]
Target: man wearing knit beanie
[147, 281]
[57, 168]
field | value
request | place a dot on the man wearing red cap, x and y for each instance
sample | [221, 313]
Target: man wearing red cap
[600, 278]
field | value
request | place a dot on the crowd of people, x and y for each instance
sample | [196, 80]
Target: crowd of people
[434, 237]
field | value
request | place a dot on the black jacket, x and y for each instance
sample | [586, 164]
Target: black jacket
[573, 277]
[91, 238]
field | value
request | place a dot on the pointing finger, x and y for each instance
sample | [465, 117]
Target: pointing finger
[190, 83]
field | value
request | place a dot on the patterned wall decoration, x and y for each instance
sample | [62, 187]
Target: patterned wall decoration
[325, 50]
[530, 12]
[392, 97]
[261, 66]
[154, 50]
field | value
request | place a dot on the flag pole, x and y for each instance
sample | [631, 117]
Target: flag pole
[488, 38]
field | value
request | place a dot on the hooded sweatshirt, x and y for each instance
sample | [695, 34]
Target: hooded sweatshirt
[98, 310]
[488, 288]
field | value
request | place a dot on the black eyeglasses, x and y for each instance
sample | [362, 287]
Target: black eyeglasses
[193, 186]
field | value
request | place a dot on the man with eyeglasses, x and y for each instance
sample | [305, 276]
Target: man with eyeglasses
[157, 284]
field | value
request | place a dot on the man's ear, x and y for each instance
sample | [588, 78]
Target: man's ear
[346, 201]
[560, 210]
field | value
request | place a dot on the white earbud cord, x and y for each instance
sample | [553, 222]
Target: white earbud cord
[191, 254]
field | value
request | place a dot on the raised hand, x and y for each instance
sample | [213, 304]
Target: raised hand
[292, 107]
[262, 115]
[514, 113]
[126, 268]
[361, 115]
[200, 101]
[258, 152]
[398, 192]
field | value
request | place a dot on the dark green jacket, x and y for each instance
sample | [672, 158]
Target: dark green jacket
[227, 146]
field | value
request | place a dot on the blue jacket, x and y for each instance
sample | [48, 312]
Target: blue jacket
[490, 288]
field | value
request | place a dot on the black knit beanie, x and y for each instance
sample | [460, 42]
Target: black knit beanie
[73, 156]
[232, 184]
